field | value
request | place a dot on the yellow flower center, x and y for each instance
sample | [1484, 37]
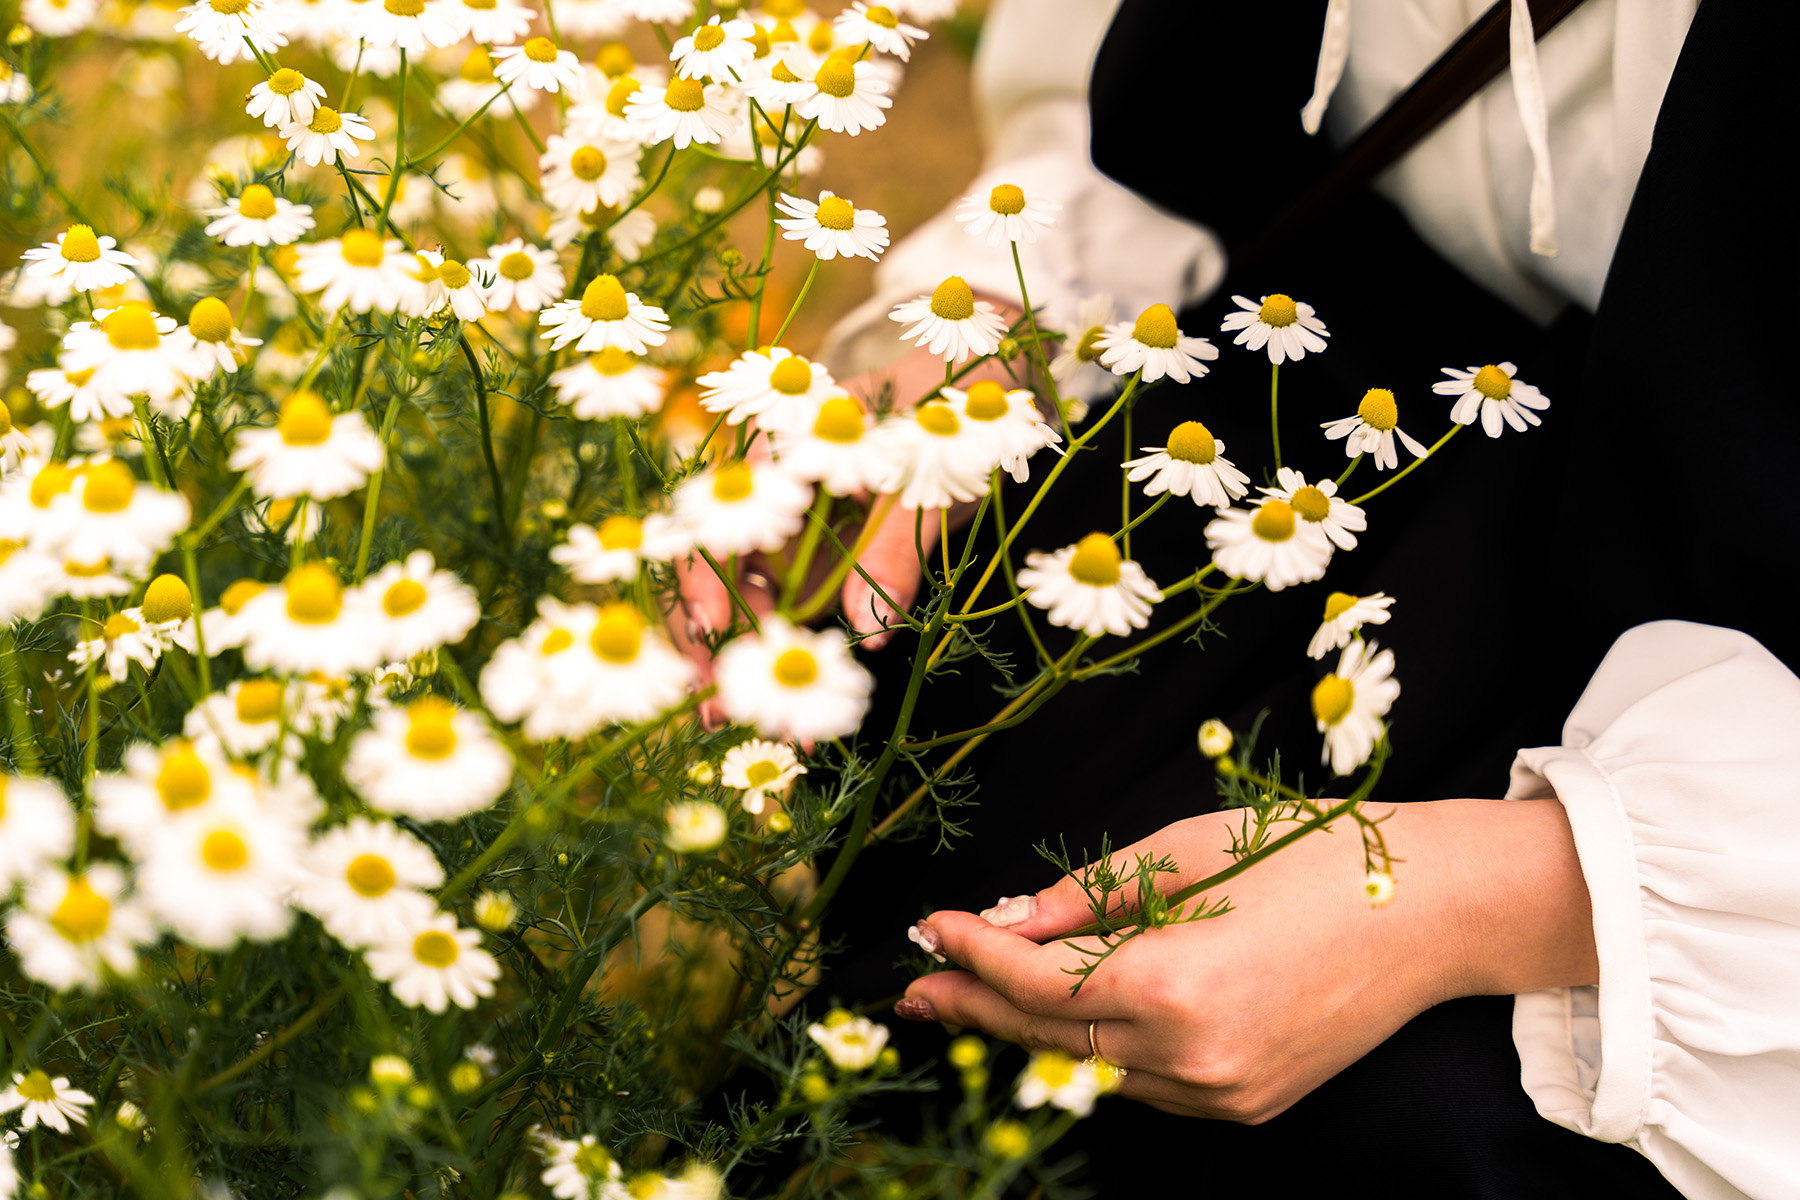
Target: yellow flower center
[109, 487]
[937, 418]
[685, 95]
[6, 424]
[426, 271]
[314, 595]
[453, 275]
[540, 50]
[286, 81]
[1007, 200]
[1192, 442]
[80, 378]
[882, 15]
[258, 700]
[429, 729]
[621, 533]
[478, 67]
[369, 875]
[230, 8]
[1493, 383]
[588, 163]
[37, 1087]
[708, 37]
[1274, 522]
[763, 772]
[819, 40]
[1156, 327]
[326, 120]
[953, 300]
[1084, 349]
[223, 850]
[784, 10]
[436, 949]
[593, 1162]
[1311, 503]
[796, 668]
[405, 596]
[364, 248]
[840, 419]
[117, 626]
[783, 28]
[1096, 561]
[132, 327]
[182, 781]
[305, 421]
[1337, 604]
[987, 401]
[792, 376]
[556, 641]
[80, 245]
[614, 60]
[93, 570]
[733, 482]
[482, 5]
[759, 41]
[1278, 310]
[780, 74]
[239, 594]
[210, 321]
[257, 202]
[618, 94]
[835, 212]
[83, 914]
[1378, 410]
[404, 8]
[618, 634]
[1054, 1068]
[1332, 698]
[837, 77]
[599, 216]
[604, 299]
[516, 266]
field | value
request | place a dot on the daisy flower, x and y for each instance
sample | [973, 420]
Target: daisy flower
[222, 27]
[1155, 345]
[850, 98]
[80, 261]
[490, 23]
[430, 761]
[605, 555]
[686, 112]
[627, 234]
[611, 383]
[107, 513]
[1378, 889]
[715, 51]
[1373, 429]
[851, 1043]
[361, 271]
[1214, 738]
[579, 175]
[221, 625]
[44, 1099]
[329, 134]
[839, 450]
[309, 452]
[1088, 586]
[258, 217]
[1192, 464]
[833, 226]
[792, 684]
[27, 583]
[606, 315]
[776, 386]
[217, 343]
[122, 641]
[1008, 419]
[303, 625]
[1076, 369]
[1056, 1078]
[89, 580]
[539, 65]
[579, 1170]
[1344, 615]
[694, 827]
[1286, 326]
[877, 25]
[416, 607]
[1319, 505]
[758, 768]
[130, 353]
[222, 873]
[1349, 705]
[73, 930]
[951, 322]
[433, 964]
[242, 721]
[939, 459]
[522, 275]
[409, 25]
[1268, 544]
[36, 826]
[1494, 394]
[58, 18]
[1006, 214]
[158, 784]
[737, 507]
[461, 291]
[286, 97]
[55, 387]
[365, 881]
[662, 12]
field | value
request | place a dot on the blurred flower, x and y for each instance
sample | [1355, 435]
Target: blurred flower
[428, 760]
[839, 450]
[878, 26]
[758, 768]
[434, 964]
[222, 872]
[738, 507]
[304, 625]
[227, 29]
[1344, 615]
[80, 260]
[1088, 586]
[309, 452]
[1378, 888]
[36, 826]
[612, 383]
[695, 827]
[1214, 738]
[852, 1043]
[941, 459]
[1349, 705]
[580, 175]
[361, 271]
[131, 352]
[365, 882]
[792, 684]
[1007, 419]
[409, 25]
[45, 1099]
[74, 929]
[107, 513]
[492, 23]
[1287, 327]
[579, 1170]
[1056, 1078]
[122, 641]
[415, 606]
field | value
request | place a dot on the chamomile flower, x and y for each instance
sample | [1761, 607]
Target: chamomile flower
[1057, 1078]
[776, 386]
[461, 290]
[223, 27]
[308, 452]
[686, 112]
[1373, 429]
[217, 343]
[1349, 705]
[286, 97]
[792, 684]
[1319, 505]
[18, 443]
[491, 22]
[851, 1043]
[1344, 615]
[55, 387]
[327, 135]
[1378, 889]
[738, 507]
[36, 826]
[611, 553]
[839, 450]
[1269, 544]
[130, 353]
[612, 383]
[833, 226]
[1009, 421]
[222, 873]
[430, 761]
[1090, 587]
[694, 827]
[851, 97]
[523, 276]
[361, 271]
[475, 87]
[107, 513]
[80, 261]
[243, 720]
[1154, 345]
[365, 881]
[1193, 464]
[121, 642]
[409, 25]
[221, 626]
[714, 50]
[74, 930]
[9, 1174]
[1282, 324]
[579, 1170]
[580, 175]
[28, 580]
[606, 315]
[662, 12]
[759, 769]
[415, 607]
[627, 234]
[58, 18]
[433, 964]
[1076, 368]
[939, 459]
[303, 625]
[89, 580]
[1007, 213]
[775, 80]
[1493, 394]
[158, 784]
[951, 322]
[538, 64]
[258, 217]
[877, 25]
[41, 1098]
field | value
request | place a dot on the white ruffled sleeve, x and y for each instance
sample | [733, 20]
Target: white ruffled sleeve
[1030, 96]
[1680, 771]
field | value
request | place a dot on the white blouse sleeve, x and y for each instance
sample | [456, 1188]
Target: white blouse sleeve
[1680, 771]
[1030, 96]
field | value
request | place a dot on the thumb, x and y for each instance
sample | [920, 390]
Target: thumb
[892, 560]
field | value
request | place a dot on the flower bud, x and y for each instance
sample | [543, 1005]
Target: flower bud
[1215, 738]
[495, 912]
[732, 257]
[390, 1072]
[1009, 348]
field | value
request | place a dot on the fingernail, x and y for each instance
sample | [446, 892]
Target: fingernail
[913, 1009]
[1010, 910]
[928, 940]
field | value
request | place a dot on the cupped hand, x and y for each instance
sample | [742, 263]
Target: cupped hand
[1239, 1016]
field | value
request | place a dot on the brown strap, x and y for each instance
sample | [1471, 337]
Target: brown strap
[1470, 64]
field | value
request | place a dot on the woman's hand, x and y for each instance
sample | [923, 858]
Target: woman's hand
[1239, 1016]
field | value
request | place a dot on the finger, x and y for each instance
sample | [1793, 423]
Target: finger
[959, 998]
[1038, 979]
[892, 560]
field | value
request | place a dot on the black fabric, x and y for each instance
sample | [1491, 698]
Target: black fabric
[1656, 487]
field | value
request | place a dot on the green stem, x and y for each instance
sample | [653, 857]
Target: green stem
[627, 469]
[1409, 468]
[373, 500]
[1125, 534]
[809, 542]
[1354, 463]
[225, 508]
[301, 1024]
[1274, 418]
[762, 281]
[798, 301]
[487, 446]
[730, 587]
[190, 567]
[531, 133]
[438, 149]
[399, 164]
[1037, 347]
[731, 210]
[18, 707]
